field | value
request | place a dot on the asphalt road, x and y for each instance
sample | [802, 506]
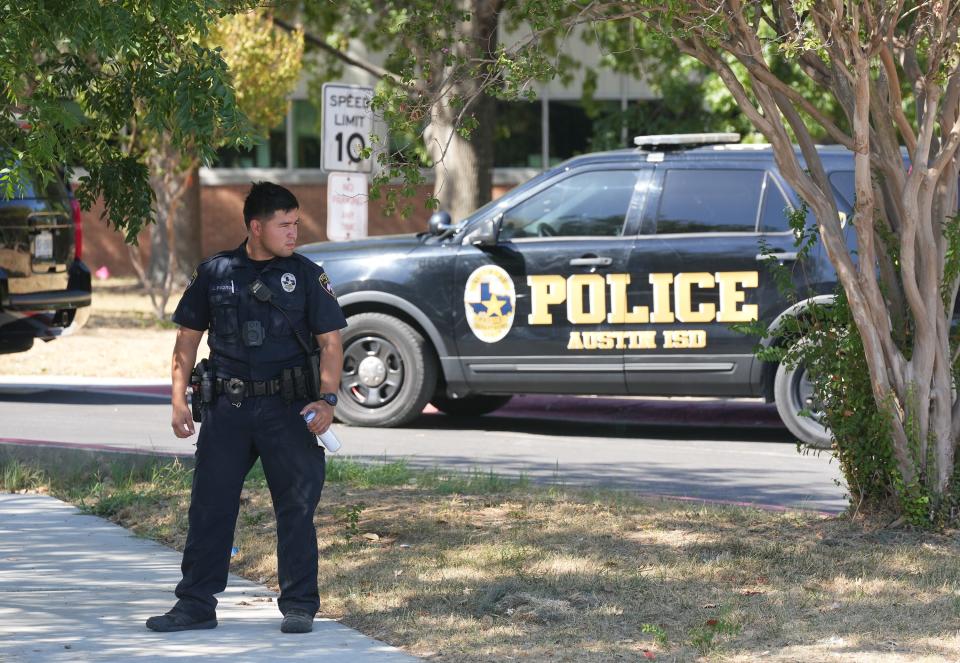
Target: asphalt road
[718, 450]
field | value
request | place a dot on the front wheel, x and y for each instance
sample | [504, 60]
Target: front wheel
[389, 372]
[469, 406]
[793, 392]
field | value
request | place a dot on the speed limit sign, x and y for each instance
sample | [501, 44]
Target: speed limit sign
[347, 124]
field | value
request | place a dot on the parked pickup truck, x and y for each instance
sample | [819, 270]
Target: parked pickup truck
[44, 286]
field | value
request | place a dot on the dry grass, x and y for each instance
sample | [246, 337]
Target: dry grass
[541, 575]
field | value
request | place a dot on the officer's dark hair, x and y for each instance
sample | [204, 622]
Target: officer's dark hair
[265, 198]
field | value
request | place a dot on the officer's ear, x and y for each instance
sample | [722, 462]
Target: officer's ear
[256, 228]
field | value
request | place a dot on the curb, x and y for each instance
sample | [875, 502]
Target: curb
[119, 386]
[74, 459]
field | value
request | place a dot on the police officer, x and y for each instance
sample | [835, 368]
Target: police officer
[263, 305]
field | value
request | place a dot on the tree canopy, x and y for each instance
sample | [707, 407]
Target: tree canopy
[75, 73]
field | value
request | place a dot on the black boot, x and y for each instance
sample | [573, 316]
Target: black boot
[297, 621]
[179, 621]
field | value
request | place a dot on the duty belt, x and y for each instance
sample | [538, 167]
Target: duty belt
[250, 388]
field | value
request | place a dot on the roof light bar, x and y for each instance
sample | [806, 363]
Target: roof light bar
[686, 140]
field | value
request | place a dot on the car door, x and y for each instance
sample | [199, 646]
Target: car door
[697, 273]
[535, 305]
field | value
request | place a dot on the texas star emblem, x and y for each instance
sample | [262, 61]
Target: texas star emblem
[488, 300]
[289, 282]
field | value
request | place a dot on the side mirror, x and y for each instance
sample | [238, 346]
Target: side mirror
[439, 223]
[485, 233]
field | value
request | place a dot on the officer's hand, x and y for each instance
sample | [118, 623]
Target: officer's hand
[324, 416]
[182, 421]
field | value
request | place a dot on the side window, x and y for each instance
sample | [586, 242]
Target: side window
[843, 189]
[590, 204]
[773, 215]
[696, 201]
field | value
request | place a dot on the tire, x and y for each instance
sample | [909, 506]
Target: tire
[469, 406]
[389, 372]
[792, 393]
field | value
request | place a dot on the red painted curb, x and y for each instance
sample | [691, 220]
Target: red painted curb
[85, 446]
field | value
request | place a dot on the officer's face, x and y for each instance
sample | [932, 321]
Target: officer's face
[278, 235]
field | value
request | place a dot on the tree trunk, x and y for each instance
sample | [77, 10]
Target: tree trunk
[904, 317]
[188, 231]
[456, 166]
[159, 263]
[169, 178]
[463, 167]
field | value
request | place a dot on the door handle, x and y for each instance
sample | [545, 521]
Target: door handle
[592, 262]
[786, 256]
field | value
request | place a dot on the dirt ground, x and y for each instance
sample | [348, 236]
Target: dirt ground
[122, 338]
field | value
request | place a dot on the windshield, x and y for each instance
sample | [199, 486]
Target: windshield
[483, 211]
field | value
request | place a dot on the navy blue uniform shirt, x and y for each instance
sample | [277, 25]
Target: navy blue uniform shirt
[218, 299]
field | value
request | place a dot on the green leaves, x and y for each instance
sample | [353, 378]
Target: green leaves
[82, 78]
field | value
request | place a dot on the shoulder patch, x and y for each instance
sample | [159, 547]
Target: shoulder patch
[325, 282]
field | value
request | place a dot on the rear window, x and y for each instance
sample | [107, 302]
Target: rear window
[697, 201]
[32, 186]
[843, 189]
[773, 215]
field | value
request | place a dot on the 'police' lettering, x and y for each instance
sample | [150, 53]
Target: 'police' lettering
[592, 299]
[682, 294]
[545, 290]
[730, 296]
[596, 299]
[618, 303]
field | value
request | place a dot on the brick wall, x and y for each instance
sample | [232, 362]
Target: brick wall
[221, 211]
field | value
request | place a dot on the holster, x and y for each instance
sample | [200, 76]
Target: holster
[313, 375]
[201, 389]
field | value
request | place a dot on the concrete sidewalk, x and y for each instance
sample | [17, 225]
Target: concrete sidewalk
[78, 588]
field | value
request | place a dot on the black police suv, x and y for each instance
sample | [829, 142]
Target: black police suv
[44, 286]
[621, 272]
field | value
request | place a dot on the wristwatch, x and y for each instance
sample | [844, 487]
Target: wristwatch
[331, 399]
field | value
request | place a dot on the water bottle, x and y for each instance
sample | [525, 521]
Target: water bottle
[327, 439]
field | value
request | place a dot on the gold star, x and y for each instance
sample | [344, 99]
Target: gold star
[495, 305]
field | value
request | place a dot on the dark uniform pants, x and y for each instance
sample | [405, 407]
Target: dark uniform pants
[231, 438]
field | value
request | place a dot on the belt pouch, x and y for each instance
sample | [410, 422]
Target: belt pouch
[286, 385]
[300, 383]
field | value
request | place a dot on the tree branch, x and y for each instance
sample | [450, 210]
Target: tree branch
[762, 73]
[351, 60]
[896, 100]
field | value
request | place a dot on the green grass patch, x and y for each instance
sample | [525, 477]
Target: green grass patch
[368, 475]
[16, 476]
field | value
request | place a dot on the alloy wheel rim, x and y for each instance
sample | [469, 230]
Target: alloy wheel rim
[373, 371]
[805, 396]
